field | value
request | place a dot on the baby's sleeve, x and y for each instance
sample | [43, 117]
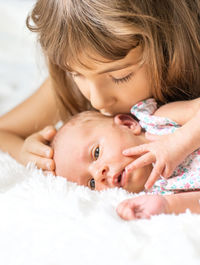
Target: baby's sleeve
[144, 111]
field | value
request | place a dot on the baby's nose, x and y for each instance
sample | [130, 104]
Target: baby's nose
[100, 174]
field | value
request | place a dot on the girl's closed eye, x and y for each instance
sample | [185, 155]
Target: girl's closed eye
[75, 75]
[123, 79]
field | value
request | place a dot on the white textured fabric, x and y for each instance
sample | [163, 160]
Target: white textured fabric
[49, 221]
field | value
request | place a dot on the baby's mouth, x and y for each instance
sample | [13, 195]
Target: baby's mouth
[120, 179]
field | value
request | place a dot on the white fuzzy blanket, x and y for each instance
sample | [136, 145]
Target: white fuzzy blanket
[48, 221]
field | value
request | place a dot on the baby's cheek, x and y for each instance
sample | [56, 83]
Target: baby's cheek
[101, 186]
[137, 179]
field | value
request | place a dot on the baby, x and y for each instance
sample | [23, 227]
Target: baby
[88, 150]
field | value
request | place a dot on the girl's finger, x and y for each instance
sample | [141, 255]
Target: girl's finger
[48, 133]
[142, 161]
[43, 163]
[47, 172]
[155, 174]
[37, 147]
[136, 150]
[167, 172]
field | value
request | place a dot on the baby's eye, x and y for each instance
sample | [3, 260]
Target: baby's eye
[96, 152]
[92, 184]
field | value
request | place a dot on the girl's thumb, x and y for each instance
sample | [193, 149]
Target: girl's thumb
[48, 133]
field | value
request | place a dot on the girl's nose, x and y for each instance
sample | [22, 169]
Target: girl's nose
[101, 98]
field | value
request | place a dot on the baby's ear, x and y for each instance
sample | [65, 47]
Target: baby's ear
[128, 121]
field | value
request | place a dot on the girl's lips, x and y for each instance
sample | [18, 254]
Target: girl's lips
[106, 113]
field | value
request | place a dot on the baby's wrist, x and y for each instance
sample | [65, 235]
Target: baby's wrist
[175, 203]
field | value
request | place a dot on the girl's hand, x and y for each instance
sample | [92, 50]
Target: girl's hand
[142, 207]
[36, 149]
[166, 152]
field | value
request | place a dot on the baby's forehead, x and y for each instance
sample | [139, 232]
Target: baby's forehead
[81, 127]
[72, 133]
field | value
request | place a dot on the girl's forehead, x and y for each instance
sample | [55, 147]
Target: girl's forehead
[89, 60]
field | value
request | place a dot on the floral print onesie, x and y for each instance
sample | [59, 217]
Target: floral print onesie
[186, 176]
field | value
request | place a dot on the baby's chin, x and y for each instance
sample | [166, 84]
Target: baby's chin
[132, 189]
[134, 186]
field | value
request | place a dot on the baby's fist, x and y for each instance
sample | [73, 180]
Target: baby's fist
[141, 207]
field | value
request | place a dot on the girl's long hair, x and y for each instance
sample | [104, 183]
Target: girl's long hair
[167, 30]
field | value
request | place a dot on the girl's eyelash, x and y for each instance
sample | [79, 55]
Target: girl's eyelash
[74, 75]
[122, 80]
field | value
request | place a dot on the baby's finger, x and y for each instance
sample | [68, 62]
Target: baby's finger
[125, 212]
[142, 161]
[136, 150]
[48, 133]
[122, 205]
[155, 174]
[142, 215]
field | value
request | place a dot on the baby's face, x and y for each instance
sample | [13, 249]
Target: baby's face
[90, 154]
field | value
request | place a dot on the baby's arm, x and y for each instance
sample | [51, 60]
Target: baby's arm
[147, 205]
[30, 117]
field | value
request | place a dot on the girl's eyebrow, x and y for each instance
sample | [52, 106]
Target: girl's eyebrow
[115, 68]
[112, 69]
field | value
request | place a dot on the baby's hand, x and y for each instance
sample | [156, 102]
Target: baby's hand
[142, 207]
[36, 149]
[166, 152]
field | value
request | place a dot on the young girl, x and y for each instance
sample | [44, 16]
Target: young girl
[108, 55]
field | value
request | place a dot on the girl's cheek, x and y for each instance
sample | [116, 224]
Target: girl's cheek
[82, 85]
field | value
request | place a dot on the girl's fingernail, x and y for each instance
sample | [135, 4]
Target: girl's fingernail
[125, 152]
[48, 166]
[47, 152]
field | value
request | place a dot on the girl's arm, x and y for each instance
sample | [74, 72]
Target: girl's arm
[147, 205]
[32, 115]
[179, 111]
